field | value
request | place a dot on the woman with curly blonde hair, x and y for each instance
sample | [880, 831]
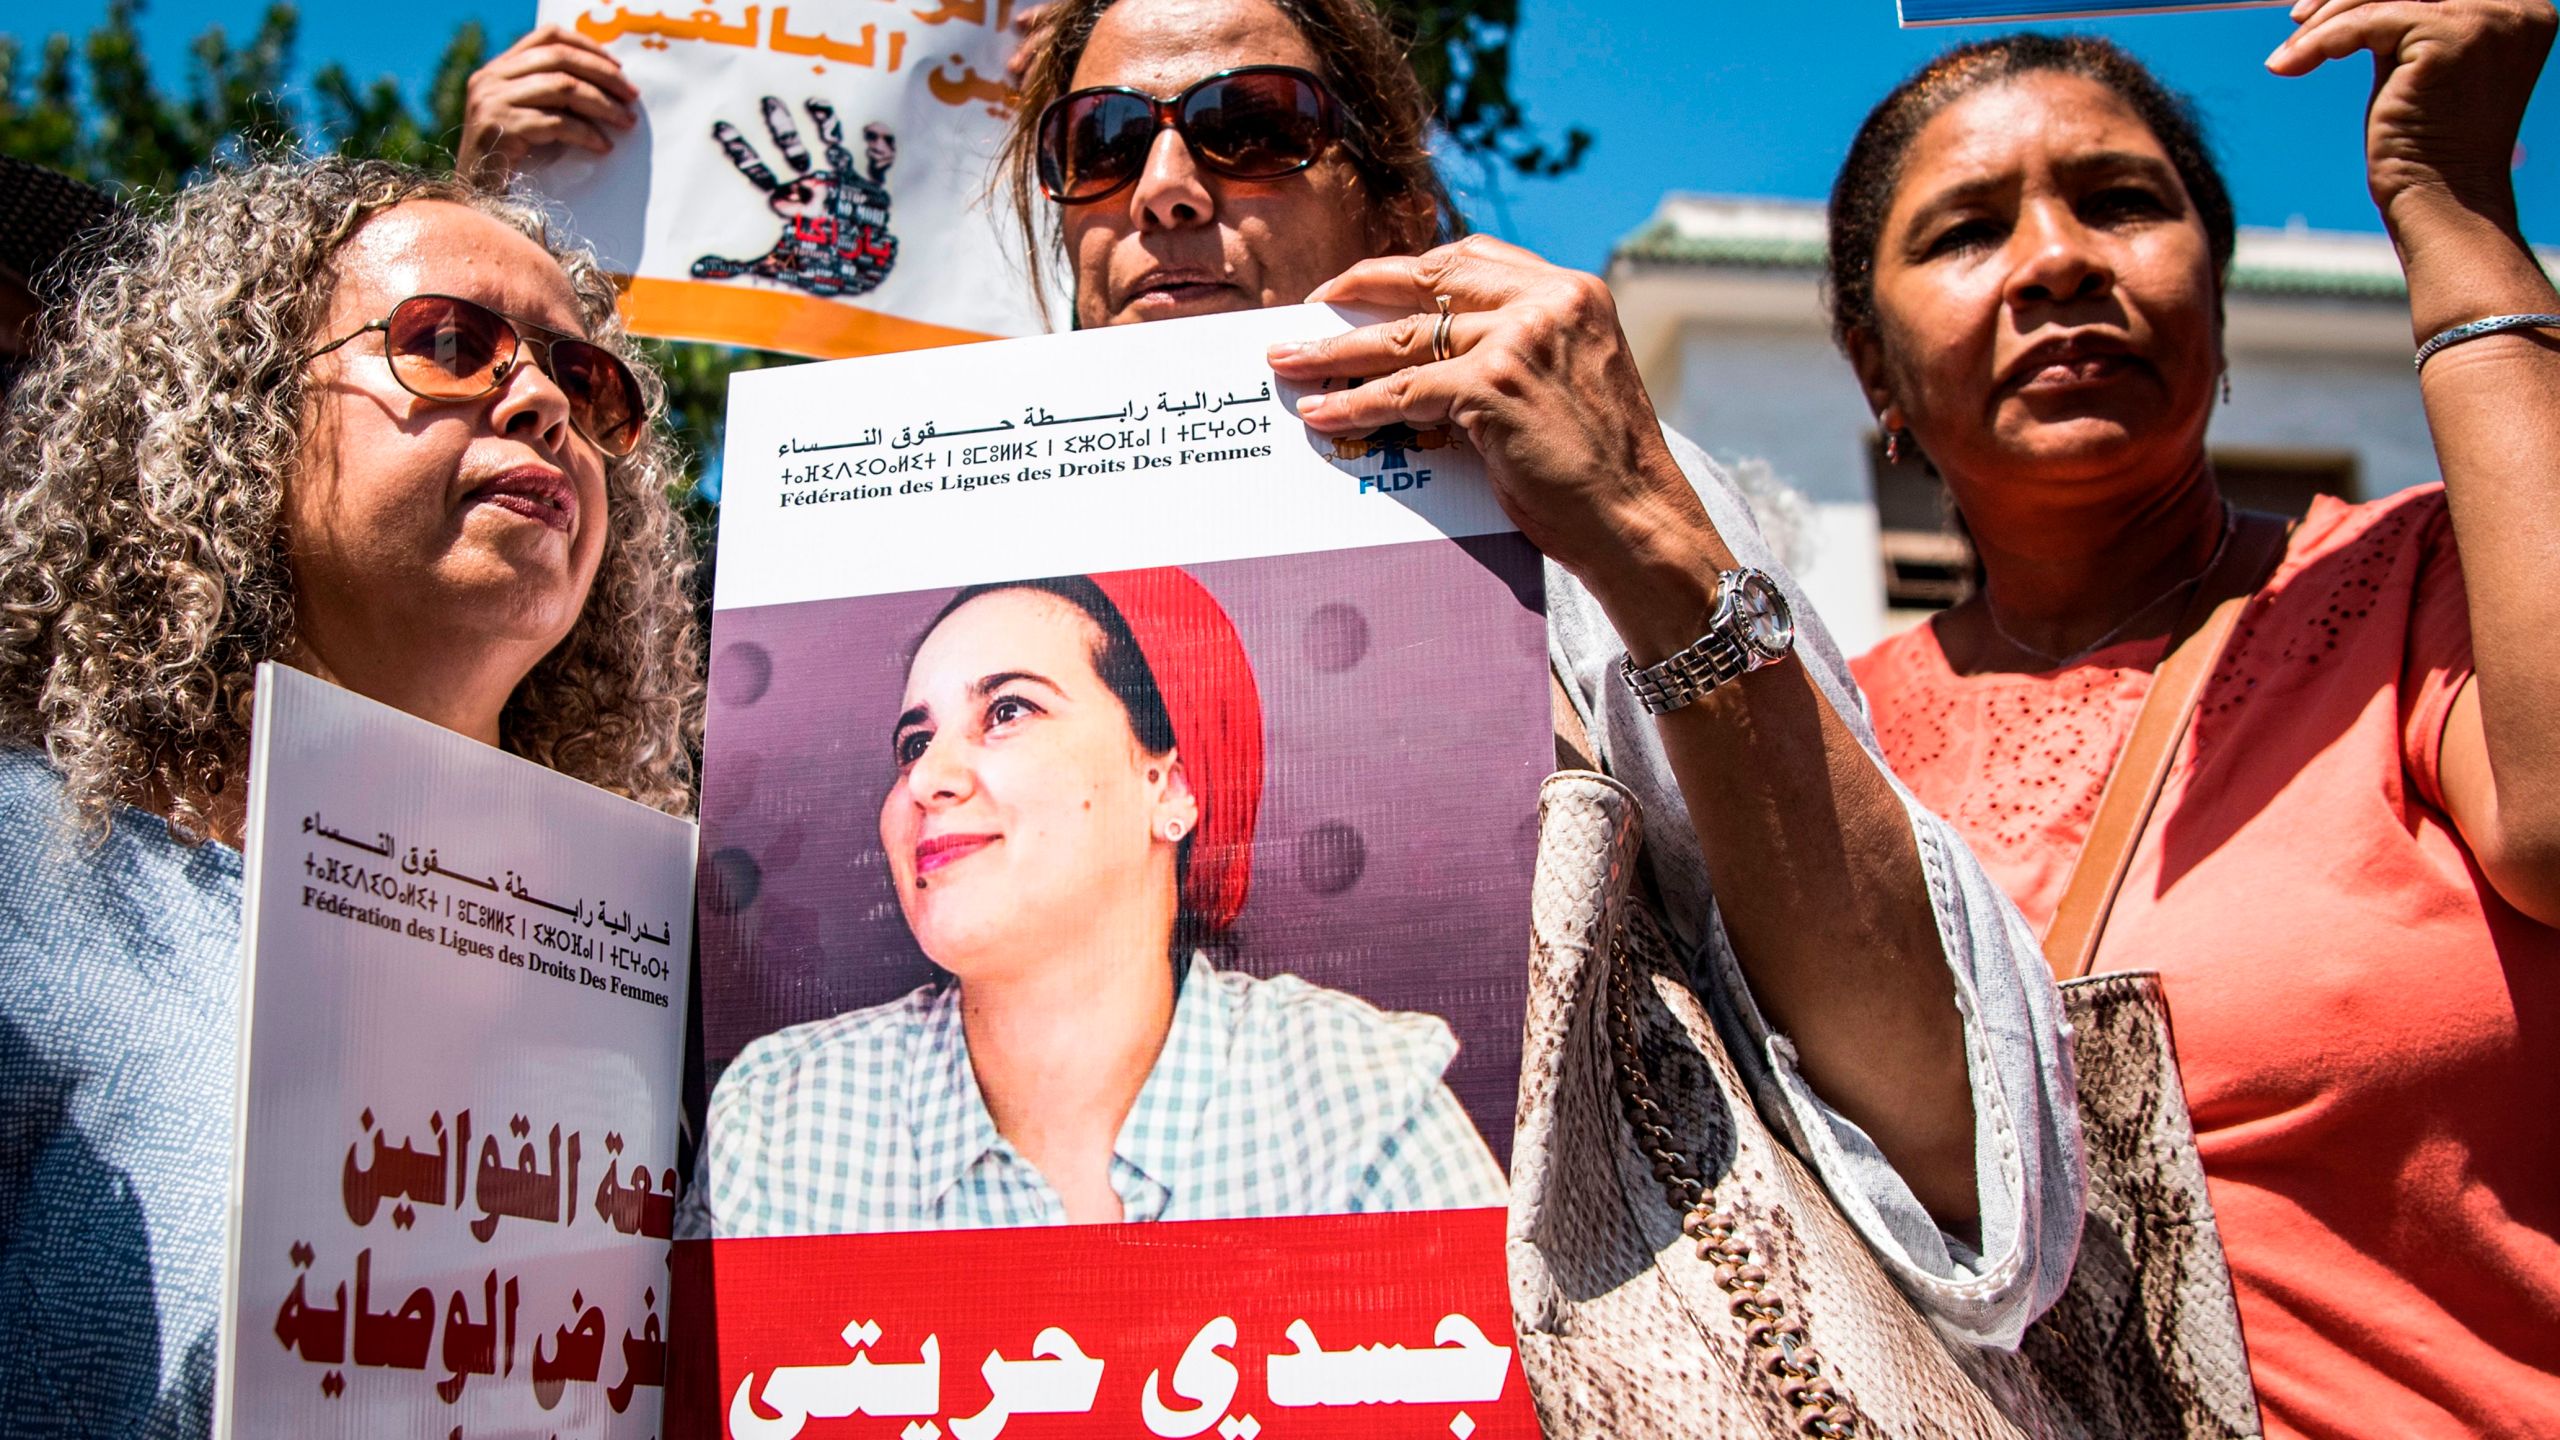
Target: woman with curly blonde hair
[379, 426]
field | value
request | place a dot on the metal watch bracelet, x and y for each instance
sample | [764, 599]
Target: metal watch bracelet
[1727, 652]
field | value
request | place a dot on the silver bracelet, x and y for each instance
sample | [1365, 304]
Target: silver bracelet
[2494, 325]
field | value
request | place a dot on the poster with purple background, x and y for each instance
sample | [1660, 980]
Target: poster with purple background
[1118, 818]
[1397, 823]
[1322, 664]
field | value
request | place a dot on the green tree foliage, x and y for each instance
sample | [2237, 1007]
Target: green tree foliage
[118, 128]
[39, 112]
[1462, 54]
[376, 120]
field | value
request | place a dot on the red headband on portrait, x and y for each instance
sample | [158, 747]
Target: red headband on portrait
[1206, 679]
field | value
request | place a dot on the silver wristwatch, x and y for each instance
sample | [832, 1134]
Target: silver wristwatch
[1750, 627]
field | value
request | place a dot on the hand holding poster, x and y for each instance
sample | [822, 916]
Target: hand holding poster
[1119, 807]
[465, 980]
[809, 178]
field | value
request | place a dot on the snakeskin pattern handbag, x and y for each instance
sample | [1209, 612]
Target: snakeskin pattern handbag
[1677, 1271]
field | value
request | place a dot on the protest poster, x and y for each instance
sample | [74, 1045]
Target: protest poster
[809, 178]
[2001, 12]
[465, 993]
[1119, 805]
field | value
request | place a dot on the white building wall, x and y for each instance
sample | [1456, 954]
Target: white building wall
[1789, 399]
[2367, 405]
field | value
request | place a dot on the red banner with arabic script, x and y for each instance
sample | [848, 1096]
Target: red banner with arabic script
[1052, 1333]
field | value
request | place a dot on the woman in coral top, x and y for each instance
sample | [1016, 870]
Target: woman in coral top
[2351, 879]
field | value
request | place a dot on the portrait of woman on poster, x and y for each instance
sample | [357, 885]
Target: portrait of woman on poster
[1070, 835]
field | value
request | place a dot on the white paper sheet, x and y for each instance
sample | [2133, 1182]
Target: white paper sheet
[899, 473]
[466, 979]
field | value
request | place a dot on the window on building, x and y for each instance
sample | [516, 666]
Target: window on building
[1928, 563]
[2283, 482]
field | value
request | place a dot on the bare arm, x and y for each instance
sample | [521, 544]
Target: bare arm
[1817, 878]
[1809, 850]
[2451, 83]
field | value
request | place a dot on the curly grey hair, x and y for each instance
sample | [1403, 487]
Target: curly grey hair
[147, 453]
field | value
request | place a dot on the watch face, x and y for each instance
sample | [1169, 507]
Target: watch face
[1767, 624]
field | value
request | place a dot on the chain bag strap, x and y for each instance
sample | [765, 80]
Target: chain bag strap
[1775, 1337]
[1675, 1270]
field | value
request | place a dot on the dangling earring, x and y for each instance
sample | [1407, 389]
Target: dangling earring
[1893, 447]
[2226, 385]
[1173, 830]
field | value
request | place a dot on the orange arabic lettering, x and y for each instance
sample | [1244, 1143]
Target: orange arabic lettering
[967, 86]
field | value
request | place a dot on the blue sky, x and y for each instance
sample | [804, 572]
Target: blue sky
[1707, 95]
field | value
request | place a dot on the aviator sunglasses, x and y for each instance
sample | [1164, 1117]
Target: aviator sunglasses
[443, 347]
[1257, 122]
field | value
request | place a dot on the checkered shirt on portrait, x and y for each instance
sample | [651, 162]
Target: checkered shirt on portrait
[1271, 1097]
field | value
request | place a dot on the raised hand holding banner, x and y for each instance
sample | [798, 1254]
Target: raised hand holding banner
[809, 178]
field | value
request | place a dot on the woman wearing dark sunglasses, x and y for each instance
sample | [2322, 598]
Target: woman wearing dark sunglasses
[1195, 156]
[370, 424]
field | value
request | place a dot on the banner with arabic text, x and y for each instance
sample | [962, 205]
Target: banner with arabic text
[1118, 817]
[809, 178]
[465, 993]
[1334, 1328]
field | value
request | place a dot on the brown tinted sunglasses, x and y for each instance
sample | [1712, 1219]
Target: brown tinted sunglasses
[443, 347]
